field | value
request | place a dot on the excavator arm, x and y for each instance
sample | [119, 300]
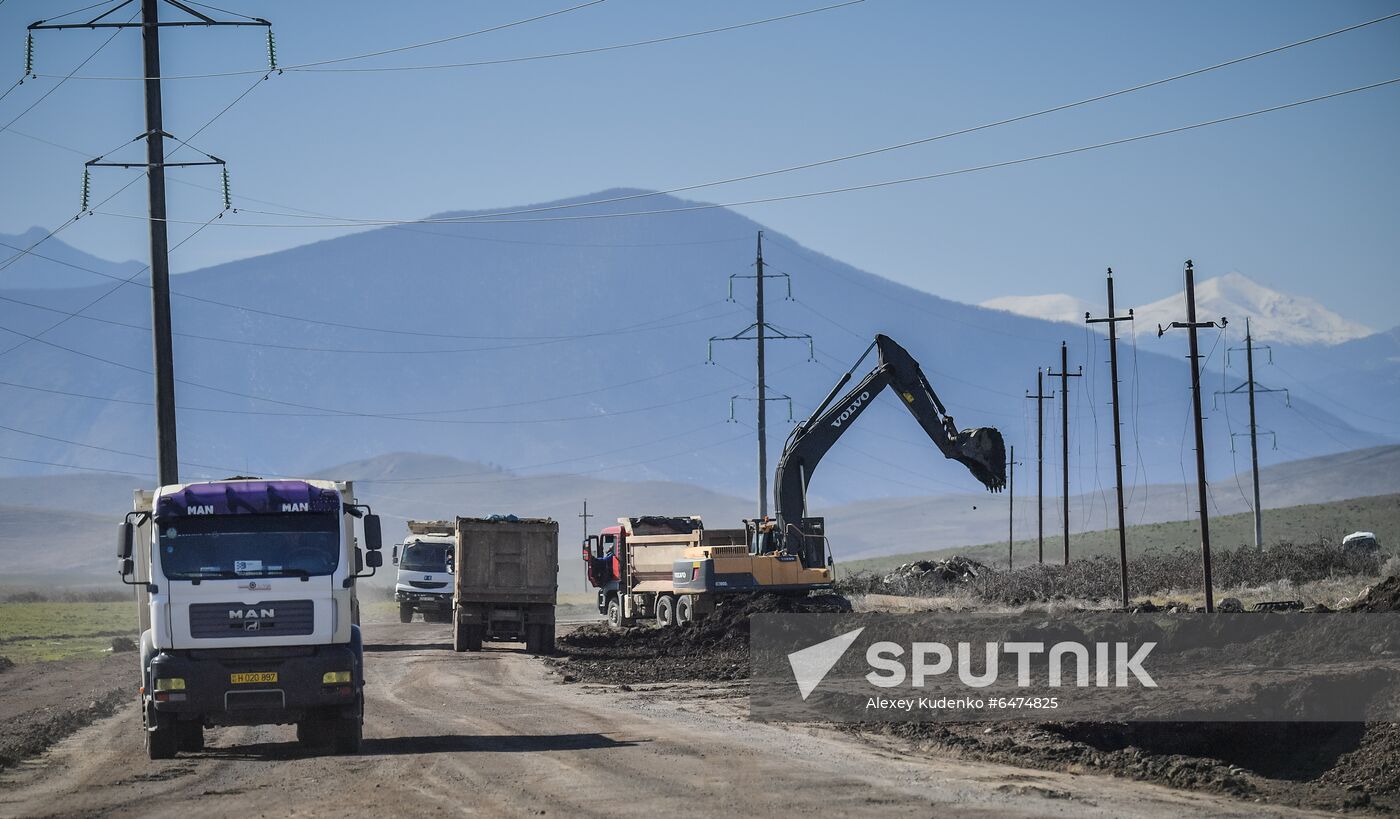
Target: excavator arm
[981, 450]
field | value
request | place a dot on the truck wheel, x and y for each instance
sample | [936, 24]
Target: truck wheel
[190, 736]
[349, 731]
[685, 609]
[405, 613]
[615, 613]
[475, 636]
[666, 610]
[459, 636]
[162, 742]
[313, 732]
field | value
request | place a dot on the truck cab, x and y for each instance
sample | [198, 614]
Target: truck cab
[425, 576]
[246, 601]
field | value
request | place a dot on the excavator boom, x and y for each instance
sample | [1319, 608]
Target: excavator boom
[981, 450]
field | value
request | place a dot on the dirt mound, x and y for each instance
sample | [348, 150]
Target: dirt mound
[1384, 596]
[715, 649]
[1334, 766]
[6, 664]
[957, 569]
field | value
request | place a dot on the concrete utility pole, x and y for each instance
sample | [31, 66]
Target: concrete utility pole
[762, 387]
[1253, 387]
[1039, 461]
[167, 457]
[1112, 321]
[762, 331]
[585, 517]
[1011, 509]
[1065, 375]
[167, 460]
[1191, 326]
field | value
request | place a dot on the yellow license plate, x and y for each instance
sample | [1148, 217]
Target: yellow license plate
[253, 677]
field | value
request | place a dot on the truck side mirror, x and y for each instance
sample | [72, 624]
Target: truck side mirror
[128, 567]
[372, 537]
[124, 535]
[396, 554]
[590, 547]
[374, 559]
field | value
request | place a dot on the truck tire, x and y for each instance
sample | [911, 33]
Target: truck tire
[475, 636]
[666, 611]
[350, 731]
[459, 636]
[405, 613]
[685, 609]
[190, 735]
[539, 638]
[615, 613]
[161, 741]
[314, 732]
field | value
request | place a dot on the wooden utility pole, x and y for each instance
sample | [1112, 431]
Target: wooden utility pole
[762, 331]
[1191, 326]
[1112, 321]
[1065, 375]
[1040, 461]
[1253, 387]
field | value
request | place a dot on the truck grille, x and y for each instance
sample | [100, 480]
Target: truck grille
[278, 618]
[423, 584]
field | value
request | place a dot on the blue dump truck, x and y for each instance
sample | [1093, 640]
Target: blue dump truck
[245, 592]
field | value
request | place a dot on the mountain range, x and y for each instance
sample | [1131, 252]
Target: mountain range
[580, 346]
[56, 530]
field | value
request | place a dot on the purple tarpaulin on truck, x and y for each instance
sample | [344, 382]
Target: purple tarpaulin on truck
[247, 498]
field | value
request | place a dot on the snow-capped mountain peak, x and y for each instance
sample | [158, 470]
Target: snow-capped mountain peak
[1054, 307]
[1274, 316]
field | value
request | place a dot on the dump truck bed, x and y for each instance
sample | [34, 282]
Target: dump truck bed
[506, 561]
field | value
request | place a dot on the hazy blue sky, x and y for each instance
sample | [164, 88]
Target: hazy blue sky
[1304, 200]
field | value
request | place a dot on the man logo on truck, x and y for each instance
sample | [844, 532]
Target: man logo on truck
[304, 506]
[251, 614]
[851, 410]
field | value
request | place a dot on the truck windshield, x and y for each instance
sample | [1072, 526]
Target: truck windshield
[249, 546]
[425, 557]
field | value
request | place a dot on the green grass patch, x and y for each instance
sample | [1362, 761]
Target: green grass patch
[31, 632]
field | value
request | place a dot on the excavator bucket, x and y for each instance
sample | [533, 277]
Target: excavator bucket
[983, 452]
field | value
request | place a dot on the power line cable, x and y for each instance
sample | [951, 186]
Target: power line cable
[491, 218]
[923, 140]
[313, 67]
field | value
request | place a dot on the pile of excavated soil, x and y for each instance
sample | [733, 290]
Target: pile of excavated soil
[1384, 596]
[1316, 765]
[715, 649]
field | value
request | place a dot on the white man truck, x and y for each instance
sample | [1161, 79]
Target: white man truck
[246, 596]
[424, 579]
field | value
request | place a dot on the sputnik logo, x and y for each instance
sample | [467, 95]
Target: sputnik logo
[811, 664]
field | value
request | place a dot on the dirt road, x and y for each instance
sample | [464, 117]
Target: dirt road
[495, 734]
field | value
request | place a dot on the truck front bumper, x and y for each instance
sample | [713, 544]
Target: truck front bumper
[256, 686]
[424, 601]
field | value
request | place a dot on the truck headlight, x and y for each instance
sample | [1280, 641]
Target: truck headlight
[170, 683]
[335, 678]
